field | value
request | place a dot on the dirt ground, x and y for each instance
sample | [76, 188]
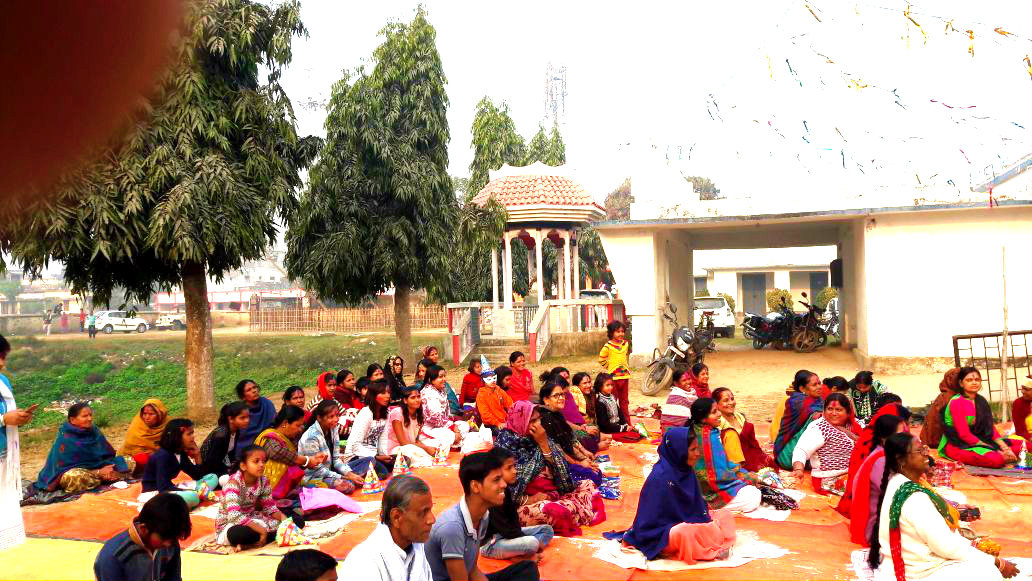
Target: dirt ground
[758, 378]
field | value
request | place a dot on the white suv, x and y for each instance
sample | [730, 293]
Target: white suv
[723, 316]
[175, 321]
[111, 321]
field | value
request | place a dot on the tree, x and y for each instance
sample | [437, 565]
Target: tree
[495, 142]
[194, 188]
[538, 148]
[618, 202]
[380, 207]
[555, 155]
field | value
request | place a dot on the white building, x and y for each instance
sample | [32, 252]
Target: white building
[747, 274]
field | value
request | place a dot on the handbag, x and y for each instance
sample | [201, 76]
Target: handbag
[774, 498]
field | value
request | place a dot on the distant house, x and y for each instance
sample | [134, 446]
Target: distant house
[747, 274]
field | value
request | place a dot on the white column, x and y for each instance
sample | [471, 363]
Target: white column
[507, 299]
[539, 239]
[530, 268]
[567, 282]
[576, 270]
[494, 278]
[560, 269]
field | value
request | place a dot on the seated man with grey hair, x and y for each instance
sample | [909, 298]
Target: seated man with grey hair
[394, 551]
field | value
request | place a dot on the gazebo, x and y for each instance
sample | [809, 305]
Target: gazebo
[543, 203]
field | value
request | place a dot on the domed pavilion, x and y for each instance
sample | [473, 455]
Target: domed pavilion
[543, 203]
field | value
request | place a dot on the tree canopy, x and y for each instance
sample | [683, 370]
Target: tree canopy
[495, 142]
[380, 208]
[194, 186]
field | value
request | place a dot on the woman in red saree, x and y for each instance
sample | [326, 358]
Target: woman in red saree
[860, 501]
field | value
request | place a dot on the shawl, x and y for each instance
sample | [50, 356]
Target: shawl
[7, 393]
[453, 400]
[1019, 413]
[701, 389]
[570, 411]
[529, 460]
[863, 448]
[612, 406]
[798, 410]
[141, 438]
[262, 415]
[669, 497]
[324, 390]
[932, 430]
[905, 491]
[858, 490]
[77, 448]
[274, 470]
[718, 477]
[982, 427]
[863, 403]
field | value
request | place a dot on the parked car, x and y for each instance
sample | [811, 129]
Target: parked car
[176, 321]
[722, 315]
[111, 321]
[596, 293]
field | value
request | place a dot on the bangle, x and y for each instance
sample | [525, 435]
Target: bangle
[306, 461]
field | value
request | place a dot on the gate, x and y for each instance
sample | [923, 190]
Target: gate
[983, 351]
[754, 293]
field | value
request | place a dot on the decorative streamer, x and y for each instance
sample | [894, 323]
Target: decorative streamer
[1002, 32]
[770, 67]
[857, 84]
[1028, 66]
[808, 7]
[906, 13]
[971, 40]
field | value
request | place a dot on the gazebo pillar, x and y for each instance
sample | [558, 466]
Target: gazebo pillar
[494, 278]
[539, 239]
[530, 266]
[507, 272]
[567, 283]
[576, 269]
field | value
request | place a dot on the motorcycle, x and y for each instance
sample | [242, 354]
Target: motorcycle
[807, 333]
[686, 346]
[775, 328]
[830, 323]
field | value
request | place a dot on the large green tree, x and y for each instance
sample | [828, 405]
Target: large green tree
[555, 153]
[537, 149]
[495, 142]
[380, 208]
[193, 188]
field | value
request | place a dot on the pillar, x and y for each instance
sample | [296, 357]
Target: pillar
[494, 278]
[530, 268]
[576, 270]
[560, 268]
[507, 272]
[567, 266]
[539, 239]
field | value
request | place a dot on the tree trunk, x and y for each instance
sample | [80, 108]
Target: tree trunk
[200, 373]
[403, 321]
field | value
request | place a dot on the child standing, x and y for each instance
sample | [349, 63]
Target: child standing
[248, 516]
[613, 358]
[177, 452]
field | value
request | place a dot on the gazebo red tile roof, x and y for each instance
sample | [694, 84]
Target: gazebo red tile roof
[535, 190]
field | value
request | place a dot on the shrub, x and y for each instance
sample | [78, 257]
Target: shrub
[730, 301]
[776, 296]
[701, 292]
[824, 297]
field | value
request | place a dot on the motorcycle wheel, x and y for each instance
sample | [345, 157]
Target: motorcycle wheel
[757, 344]
[779, 344]
[824, 338]
[656, 380]
[806, 340]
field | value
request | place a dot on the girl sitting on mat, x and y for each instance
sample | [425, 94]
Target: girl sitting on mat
[219, 450]
[827, 444]
[248, 516]
[321, 439]
[177, 452]
[673, 519]
[676, 412]
[610, 417]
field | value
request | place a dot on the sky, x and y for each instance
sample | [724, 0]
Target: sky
[762, 97]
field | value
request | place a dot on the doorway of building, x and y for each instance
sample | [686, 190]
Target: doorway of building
[818, 282]
[754, 293]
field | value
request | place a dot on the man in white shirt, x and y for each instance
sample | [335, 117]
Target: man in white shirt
[394, 551]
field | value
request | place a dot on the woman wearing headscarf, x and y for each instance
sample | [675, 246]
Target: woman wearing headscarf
[544, 489]
[81, 457]
[801, 407]
[932, 430]
[724, 484]
[327, 383]
[864, 390]
[141, 439]
[394, 374]
[263, 411]
[673, 519]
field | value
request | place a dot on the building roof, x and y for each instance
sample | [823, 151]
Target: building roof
[535, 185]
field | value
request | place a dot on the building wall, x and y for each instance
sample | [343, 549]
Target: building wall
[933, 275]
[632, 257]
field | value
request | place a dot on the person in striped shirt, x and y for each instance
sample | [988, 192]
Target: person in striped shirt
[677, 409]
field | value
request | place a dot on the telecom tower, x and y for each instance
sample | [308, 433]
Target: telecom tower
[555, 95]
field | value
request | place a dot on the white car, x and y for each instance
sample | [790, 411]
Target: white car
[723, 316]
[175, 321]
[111, 321]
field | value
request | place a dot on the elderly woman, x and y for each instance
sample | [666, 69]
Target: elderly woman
[673, 519]
[544, 489]
[969, 435]
[81, 457]
[739, 434]
[802, 405]
[827, 444]
[724, 484]
[141, 439]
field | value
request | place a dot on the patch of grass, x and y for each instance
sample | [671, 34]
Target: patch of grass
[119, 373]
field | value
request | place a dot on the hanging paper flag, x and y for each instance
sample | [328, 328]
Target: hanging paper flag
[1028, 65]
[857, 84]
[991, 200]
[770, 67]
[840, 135]
[1001, 31]
[971, 39]
[808, 7]
[949, 27]
[953, 106]
[906, 13]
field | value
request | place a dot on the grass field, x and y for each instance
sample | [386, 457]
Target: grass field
[122, 371]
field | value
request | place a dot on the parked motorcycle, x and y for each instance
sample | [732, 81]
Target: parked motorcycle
[807, 333]
[686, 346]
[830, 321]
[775, 328]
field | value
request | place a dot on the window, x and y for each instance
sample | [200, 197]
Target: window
[700, 286]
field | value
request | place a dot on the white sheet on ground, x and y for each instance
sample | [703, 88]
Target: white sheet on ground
[748, 547]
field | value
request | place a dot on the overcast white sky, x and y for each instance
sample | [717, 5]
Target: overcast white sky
[642, 74]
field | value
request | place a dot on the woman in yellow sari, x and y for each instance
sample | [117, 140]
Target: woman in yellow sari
[285, 468]
[141, 440]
